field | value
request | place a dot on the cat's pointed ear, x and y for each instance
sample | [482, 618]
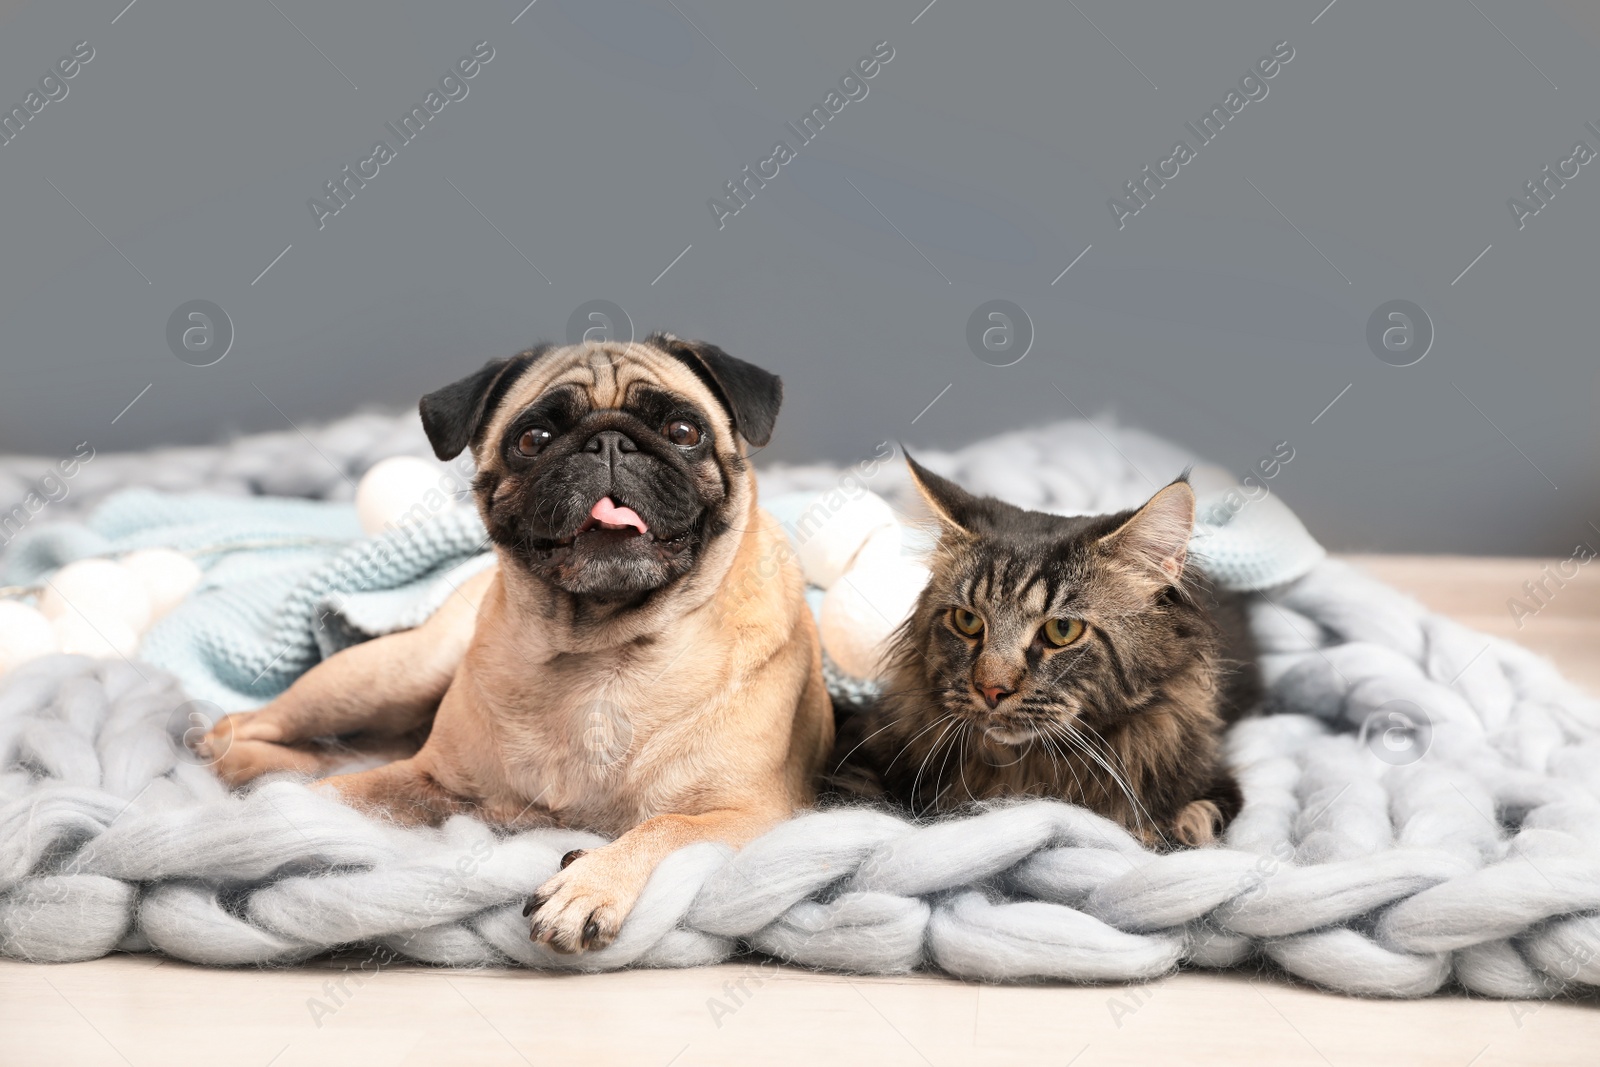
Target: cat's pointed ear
[1156, 537]
[954, 507]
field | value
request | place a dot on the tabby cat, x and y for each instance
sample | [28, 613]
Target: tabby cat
[1080, 658]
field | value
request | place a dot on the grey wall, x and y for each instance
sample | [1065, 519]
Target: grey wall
[1227, 314]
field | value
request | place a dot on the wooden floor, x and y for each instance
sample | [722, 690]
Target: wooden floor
[139, 1011]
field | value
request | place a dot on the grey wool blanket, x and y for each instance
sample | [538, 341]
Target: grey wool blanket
[1422, 803]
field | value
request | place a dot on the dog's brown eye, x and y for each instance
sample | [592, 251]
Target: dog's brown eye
[966, 622]
[1062, 632]
[532, 441]
[682, 433]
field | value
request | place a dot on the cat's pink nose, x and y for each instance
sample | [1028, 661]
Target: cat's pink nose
[994, 694]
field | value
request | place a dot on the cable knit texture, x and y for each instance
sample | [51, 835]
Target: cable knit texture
[1422, 804]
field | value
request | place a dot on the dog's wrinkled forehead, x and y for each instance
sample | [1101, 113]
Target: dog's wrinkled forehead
[609, 376]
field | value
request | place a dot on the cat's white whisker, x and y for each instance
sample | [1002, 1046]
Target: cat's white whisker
[1118, 777]
[942, 764]
[928, 756]
[846, 759]
[906, 747]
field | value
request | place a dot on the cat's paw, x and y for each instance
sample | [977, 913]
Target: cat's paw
[1198, 824]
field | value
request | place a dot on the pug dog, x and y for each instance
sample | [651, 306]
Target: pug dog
[639, 661]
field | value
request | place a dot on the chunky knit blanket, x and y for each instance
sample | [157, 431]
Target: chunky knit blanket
[1422, 804]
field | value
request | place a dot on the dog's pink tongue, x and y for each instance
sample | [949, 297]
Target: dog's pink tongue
[606, 510]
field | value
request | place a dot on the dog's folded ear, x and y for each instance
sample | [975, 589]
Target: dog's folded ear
[751, 395]
[453, 417]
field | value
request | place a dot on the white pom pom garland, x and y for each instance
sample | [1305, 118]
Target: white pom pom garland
[25, 634]
[862, 610]
[833, 530]
[166, 576]
[105, 637]
[101, 591]
[401, 490]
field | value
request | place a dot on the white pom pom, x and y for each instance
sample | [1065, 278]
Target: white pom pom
[862, 610]
[24, 634]
[833, 529]
[882, 549]
[166, 576]
[398, 491]
[103, 591]
[105, 638]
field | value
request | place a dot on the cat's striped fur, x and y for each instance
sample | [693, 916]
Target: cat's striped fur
[1126, 719]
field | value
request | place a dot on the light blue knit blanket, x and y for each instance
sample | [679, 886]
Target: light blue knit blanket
[286, 582]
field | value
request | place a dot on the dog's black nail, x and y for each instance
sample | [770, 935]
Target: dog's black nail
[570, 856]
[534, 903]
[591, 930]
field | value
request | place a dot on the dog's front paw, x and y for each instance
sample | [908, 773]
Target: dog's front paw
[240, 726]
[583, 906]
[244, 746]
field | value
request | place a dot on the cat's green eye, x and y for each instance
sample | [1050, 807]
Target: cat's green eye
[966, 622]
[1062, 632]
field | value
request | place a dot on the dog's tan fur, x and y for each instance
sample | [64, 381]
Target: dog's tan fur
[710, 702]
